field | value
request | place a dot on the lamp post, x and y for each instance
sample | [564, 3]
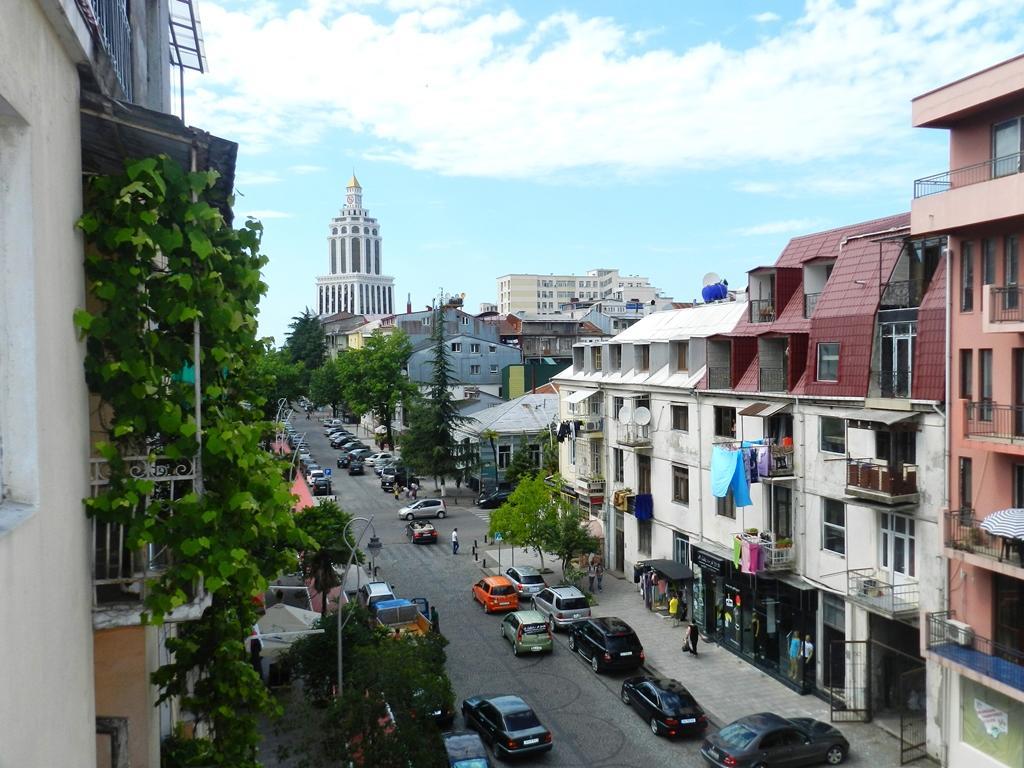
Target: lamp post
[374, 546]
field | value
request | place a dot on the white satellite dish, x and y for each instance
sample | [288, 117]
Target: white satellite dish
[642, 416]
[710, 279]
[626, 415]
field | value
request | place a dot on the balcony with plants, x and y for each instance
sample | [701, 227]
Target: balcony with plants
[957, 646]
[967, 540]
[875, 590]
[772, 552]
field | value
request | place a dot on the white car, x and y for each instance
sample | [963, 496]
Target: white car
[423, 508]
[313, 475]
[377, 458]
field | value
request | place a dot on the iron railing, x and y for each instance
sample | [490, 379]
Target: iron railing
[634, 435]
[871, 587]
[969, 174]
[116, 35]
[777, 553]
[964, 533]
[901, 294]
[960, 644]
[1005, 305]
[782, 464]
[772, 380]
[894, 383]
[719, 377]
[986, 419]
[810, 302]
[880, 477]
[762, 310]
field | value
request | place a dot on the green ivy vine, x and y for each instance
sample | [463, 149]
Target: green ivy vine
[160, 254]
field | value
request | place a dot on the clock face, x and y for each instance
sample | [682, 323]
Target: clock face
[350, 199]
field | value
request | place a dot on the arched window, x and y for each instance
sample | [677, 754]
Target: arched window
[342, 264]
[355, 255]
[334, 255]
[334, 231]
[375, 233]
[376, 252]
[355, 230]
[344, 230]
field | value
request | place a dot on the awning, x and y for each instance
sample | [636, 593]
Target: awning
[764, 410]
[283, 619]
[580, 395]
[670, 569]
[871, 418]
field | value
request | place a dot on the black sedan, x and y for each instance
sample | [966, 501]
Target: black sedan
[770, 739]
[666, 705]
[507, 723]
[492, 500]
[355, 466]
[464, 749]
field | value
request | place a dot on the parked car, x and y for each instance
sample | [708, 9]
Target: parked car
[380, 466]
[526, 579]
[355, 466]
[421, 532]
[322, 487]
[496, 593]
[508, 724]
[423, 508]
[396, 474]
[667, 706]
[528, 632]
[342, 460]
[373, 458]
[562, 605]
[492, 499]
[372, 592]
[607, 643]
[465, 749]
[313, 471]
[770, 739]
[359, 453]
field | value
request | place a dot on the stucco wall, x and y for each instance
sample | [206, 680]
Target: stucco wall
[122, 690]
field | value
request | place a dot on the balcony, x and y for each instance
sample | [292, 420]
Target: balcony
[955, 645]
[116, 36]
[635, 435]
[873, 590]
[992, 190]
[592, 424]
[901, 294]
[996, 423]
[1002, 309]
[781, 464]
[877, 480]
[719, 377]
[762, 310]
[894, 384]
[965, 534]
[810, 302]
[968, 175]
[772, 380]
[777, 553]
[590, 483]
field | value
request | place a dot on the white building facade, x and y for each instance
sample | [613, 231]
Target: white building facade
[354, 281]
[545, 294]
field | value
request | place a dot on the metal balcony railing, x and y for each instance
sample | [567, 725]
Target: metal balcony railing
[969, 174]
[810, 302]
[772, 380]
[987, 420]
[901, 294]
[964, 533]
[894, 384]
[777, 552]
[719, 377]
[872, 588]
[876, 478]
[762, 310]
[1006, 304]
[782, 464]
[116, 36]
[960, 644]
[634, 435]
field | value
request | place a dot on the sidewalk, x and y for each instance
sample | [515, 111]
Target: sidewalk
[725, 685]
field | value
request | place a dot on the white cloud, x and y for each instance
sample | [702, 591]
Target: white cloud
[306, 169]
[253, 178]
[269, 214]
[757, 187]
[445, 87]
[766, 17]
[801, 226]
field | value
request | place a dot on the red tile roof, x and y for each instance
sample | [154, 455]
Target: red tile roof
[929, 369]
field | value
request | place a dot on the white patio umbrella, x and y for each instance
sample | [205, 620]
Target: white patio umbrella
[1007, 523]
[290, 622]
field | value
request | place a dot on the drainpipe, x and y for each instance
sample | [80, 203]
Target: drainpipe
[700, 466]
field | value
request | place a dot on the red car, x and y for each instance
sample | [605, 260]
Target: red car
[421, 532]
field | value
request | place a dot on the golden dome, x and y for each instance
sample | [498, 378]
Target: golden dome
[354, 182]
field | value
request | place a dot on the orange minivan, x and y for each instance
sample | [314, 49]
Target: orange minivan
[496, 593]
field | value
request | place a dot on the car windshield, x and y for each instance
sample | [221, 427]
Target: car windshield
[737, 736]
[521, 721]
[574, 603]
[473, 762]
[623, 642]
[534, 629]
[676, 702]
[502, 590]
[532, 578]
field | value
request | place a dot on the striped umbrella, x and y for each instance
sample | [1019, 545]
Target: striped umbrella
[1008, 523]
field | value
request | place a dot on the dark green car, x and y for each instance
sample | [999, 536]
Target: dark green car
[528, 632]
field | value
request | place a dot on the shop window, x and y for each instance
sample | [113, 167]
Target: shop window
[833, 526]
[681, 418]
[726, 506]
[831, 435]
[680, 484]
[643, 534]
[725, 421]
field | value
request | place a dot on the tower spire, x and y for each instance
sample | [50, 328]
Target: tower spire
[408, 304]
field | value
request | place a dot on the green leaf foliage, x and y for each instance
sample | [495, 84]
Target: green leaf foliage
[522, 464]
[529, 516]
[324, 524]
[373, 378]
[306, 342]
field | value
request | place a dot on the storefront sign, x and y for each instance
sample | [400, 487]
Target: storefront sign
[707, 561]
[994, 721]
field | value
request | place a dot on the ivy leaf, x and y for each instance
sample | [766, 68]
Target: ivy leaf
[83, 320]
[201, 245]
[213, 583]
[191, 547]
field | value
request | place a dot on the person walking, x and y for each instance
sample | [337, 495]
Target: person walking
[600, 575]
[591, 575]
[414, 487]
[455, 541]
[692, 635]
[398, 491]
[673, 607]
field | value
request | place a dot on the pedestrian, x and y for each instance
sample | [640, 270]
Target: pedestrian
[673, 607]
[455, 541]
[414, 487]
[600, 575]
[398, 490]
[692, 635]
[591, 575]
[435, 621]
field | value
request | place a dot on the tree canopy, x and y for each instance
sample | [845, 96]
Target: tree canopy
[528, 517]
[306, 342]
[272, 376]
[325, 524]
[373, 378]
[522, 464]
[327, 385]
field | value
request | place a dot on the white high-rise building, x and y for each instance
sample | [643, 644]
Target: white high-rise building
[545, 294]
[354, 283]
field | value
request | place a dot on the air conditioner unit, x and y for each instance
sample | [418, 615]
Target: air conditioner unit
[959, 632]
[592, 426]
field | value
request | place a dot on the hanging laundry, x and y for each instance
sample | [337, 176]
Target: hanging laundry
[750, 459]
[723, 469]
[737, 546]
[763, 454]
[745, 557]
[643, 507]
[740, 486]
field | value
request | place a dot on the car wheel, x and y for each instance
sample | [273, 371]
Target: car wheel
[440, 515]
[654, 727]
[625, 698]
[835, 755]
[515, 649]
[594, 665]
[572, 643]
[410, 517]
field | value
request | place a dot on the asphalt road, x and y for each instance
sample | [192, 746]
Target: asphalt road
[590, 725]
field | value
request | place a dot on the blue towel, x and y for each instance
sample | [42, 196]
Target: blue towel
[643, 507]
[723, 468]
[740, 484]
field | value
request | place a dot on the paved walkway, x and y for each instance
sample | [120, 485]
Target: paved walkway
[726, 686]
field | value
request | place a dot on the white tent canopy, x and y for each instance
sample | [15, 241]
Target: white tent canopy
[282, 618]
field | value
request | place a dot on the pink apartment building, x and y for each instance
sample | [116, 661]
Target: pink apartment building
[975, 648]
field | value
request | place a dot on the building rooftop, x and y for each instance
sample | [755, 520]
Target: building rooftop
[531, 412]
[692, 322]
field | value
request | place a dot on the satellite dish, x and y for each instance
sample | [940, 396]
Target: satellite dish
[710, 279]
[626, 414]
[642, 416]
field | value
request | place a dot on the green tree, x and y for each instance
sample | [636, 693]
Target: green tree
[306, 342]
[492, 440]
[313, 659]
[568, 537]
[528, 517]
[326, 385]
[273, 376]
[522, 464]
[549, 457]
[374, 379]
[324, 524]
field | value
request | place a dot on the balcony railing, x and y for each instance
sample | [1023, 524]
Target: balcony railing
[772, 380]
[591, 483]
[873, 589]
[958, 643]
[901, 294]
[970, 174]
[116, 35]
[782, 464]
[592, 424]
[881, 481]
[777, 553]
[810, 302]
[964, 533]
[986, 420]
[762, 310]
[634, 435]
[719, 377]
[1006, 304]
[894, 384]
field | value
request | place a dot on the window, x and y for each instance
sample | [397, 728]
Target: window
[534, 449]
[618, 465]
[617, 403]
[985, 375]
[643, 357]
[682, 353]
[616, 353]
[833, 526]
[465, 319]
[828, 361]
[492, 348]
[681, 418]
[965, 483]
[474, 370]
[898, 546]
[726, 507]
[966, 373]
[643, 536]
[988, 262]
[831, 435]
[967, 277]
[474, 348]
[504, 456]
[597, 358]
[1006, 147]
[680, 484]
[1011, 270]
[494, 368]
[456, 346]
[725, 421]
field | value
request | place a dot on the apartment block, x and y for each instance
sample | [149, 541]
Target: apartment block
[547, 293]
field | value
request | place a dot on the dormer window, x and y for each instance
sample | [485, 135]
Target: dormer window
[643, 357]
[681, 353]
[597, 358]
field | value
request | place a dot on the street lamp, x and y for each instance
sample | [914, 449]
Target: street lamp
[374, 546]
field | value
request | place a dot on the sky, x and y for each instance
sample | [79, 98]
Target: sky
[664, 138]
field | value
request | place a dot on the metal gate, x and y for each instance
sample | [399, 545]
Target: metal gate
[851, 701]
[912, 694]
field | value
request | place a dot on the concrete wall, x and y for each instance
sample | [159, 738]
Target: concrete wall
[122, 673]
[46, 644]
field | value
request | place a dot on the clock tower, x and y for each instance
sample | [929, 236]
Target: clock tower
[353, 194]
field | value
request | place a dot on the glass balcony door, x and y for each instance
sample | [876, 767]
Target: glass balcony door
[897, 358]
[1006, 147]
